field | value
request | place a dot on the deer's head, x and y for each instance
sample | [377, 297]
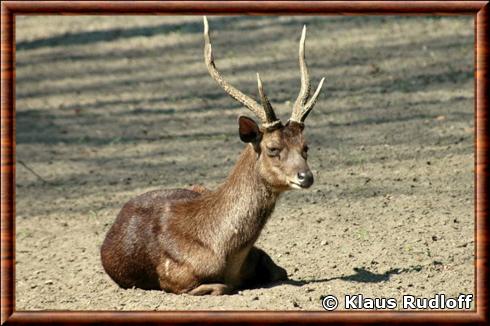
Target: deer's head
[281, 149]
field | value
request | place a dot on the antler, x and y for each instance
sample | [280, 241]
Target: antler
[264, 112]
[303, 106]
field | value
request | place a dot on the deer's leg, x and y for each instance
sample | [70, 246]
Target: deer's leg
[260, 269]
[174, 277]
[211, 289]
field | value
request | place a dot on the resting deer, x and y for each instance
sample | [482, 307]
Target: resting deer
[200, 241]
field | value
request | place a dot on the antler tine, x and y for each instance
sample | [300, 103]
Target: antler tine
[303, 106]
[263, 113]
[305, 79]
[269, 111]
[311, 103]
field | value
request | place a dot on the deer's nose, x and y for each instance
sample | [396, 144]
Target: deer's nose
[305, 178]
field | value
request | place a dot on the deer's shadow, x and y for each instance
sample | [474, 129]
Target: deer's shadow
[361, 275]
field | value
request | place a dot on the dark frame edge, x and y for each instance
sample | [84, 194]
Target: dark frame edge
[254, 7]
[7, 164]
[482, 91]
[244, 317]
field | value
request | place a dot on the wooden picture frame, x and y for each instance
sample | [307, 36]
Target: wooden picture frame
[9, 9]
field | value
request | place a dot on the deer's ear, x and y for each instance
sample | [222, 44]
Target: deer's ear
[248, 130]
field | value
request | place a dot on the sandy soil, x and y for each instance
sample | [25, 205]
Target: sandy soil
[112, 107]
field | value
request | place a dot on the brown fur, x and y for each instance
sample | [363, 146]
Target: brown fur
[200, 241]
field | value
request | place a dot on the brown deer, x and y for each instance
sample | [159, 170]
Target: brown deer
[201, 241]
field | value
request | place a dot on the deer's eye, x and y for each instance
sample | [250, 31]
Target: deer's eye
[273, 151]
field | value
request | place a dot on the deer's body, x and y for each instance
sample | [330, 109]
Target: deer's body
[201, 241]
[175, 240]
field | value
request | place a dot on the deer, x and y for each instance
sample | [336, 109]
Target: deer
[199, 241]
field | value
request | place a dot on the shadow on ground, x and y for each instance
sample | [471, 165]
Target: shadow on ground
[361, 275]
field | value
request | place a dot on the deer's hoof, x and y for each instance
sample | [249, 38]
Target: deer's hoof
[211, 289]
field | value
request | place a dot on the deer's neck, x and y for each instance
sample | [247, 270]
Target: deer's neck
[240, 207]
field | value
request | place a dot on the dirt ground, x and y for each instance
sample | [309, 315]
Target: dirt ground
[112, 107]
